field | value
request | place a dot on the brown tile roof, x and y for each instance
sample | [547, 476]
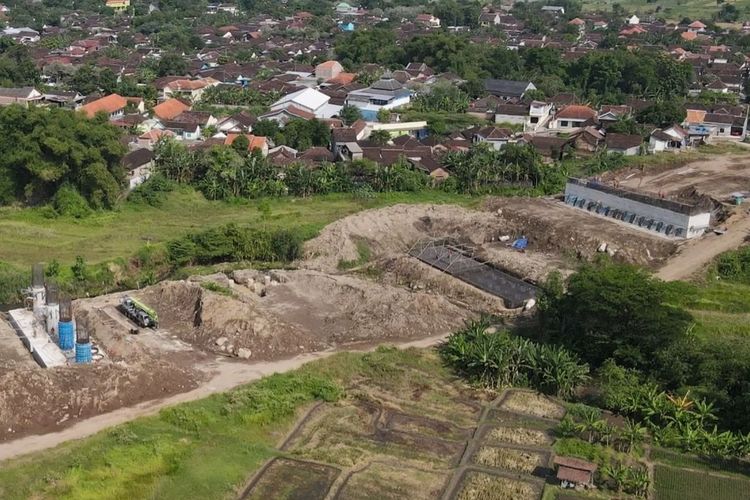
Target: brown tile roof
[576, 112]
[575, 463]
[169, 109]
[108, 104]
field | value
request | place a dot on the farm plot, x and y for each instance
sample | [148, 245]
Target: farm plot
[511, 459]
[680, 484]
[476, 485]
[292, 480]
[529, 403]
[519, 436]
[392, 481]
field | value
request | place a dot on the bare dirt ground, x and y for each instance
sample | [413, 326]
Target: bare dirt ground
[718, 177]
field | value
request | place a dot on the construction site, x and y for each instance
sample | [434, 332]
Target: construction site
[428, 269]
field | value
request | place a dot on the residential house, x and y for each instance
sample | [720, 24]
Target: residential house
[613, 113]
[554, 9]
[309, 100]
[626, 144]
[428, 20]
[344, 9]
[494, 136]
[633, 20]
[508, 89]
[23, 96]
[63, 98]
[152, 137]
[239, 123]
[188, 89]
[696, 27]
[285, 115]
[113, 105]
[255, 142]
[672, 138]
[487, 19]
[170, 109]
[21, 35]
[573, 116]
[138, 165]
[532, 115]
[189, 125]
[386, 93]
[118, 5]
[328, 70]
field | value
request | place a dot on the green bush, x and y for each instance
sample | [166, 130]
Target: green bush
[68, 202]
[735, 266]
[153, 192]
[233, 243]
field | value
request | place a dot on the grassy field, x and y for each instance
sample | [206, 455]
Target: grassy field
[674, 10]
[27, 236]
[718, 307]
[681, 484]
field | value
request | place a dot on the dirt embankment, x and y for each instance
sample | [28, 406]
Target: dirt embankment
[35, 400]
[295, 312]
[554, 230]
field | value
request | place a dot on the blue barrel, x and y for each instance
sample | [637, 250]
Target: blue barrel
[66, 335]
[83, 353]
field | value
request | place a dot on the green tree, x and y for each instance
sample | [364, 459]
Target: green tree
[616, 311]
[350, 114]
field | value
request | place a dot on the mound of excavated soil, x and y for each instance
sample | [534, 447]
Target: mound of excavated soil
[216, 322]
[339, 309]
[298, 311]
[394, 230]
[38, 400]
[551, 227]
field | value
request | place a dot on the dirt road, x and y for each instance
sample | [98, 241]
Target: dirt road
[695, 256]
[227, 376]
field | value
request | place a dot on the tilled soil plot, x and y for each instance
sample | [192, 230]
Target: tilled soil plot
[38, 400]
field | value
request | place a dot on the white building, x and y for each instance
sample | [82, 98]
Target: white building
[667, 218]
[309, 100]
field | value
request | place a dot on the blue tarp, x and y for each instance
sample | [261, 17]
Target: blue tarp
[521, 243]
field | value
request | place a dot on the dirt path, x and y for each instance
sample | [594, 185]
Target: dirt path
[227, 375]
[695, 256]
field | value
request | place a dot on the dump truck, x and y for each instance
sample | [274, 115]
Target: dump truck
[139, 313]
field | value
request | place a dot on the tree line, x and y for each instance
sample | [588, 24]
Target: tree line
[54, 155]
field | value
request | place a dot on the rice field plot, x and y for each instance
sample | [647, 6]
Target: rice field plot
[427, 427]
[532, 404]
[477, 485]
[511, 459]
[680, 484]
[521, 436]
[392, 481]
[289, 479]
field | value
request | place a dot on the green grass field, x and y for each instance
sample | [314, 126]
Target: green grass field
[27, 236]
[718, 307]
[681, 484]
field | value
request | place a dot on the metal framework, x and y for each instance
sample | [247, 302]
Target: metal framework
[460, 260]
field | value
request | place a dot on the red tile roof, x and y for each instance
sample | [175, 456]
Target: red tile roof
[255, 141]
[108, 104]
[170, 109]
[576, 112]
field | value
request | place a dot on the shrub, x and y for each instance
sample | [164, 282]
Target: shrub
[68, 202]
